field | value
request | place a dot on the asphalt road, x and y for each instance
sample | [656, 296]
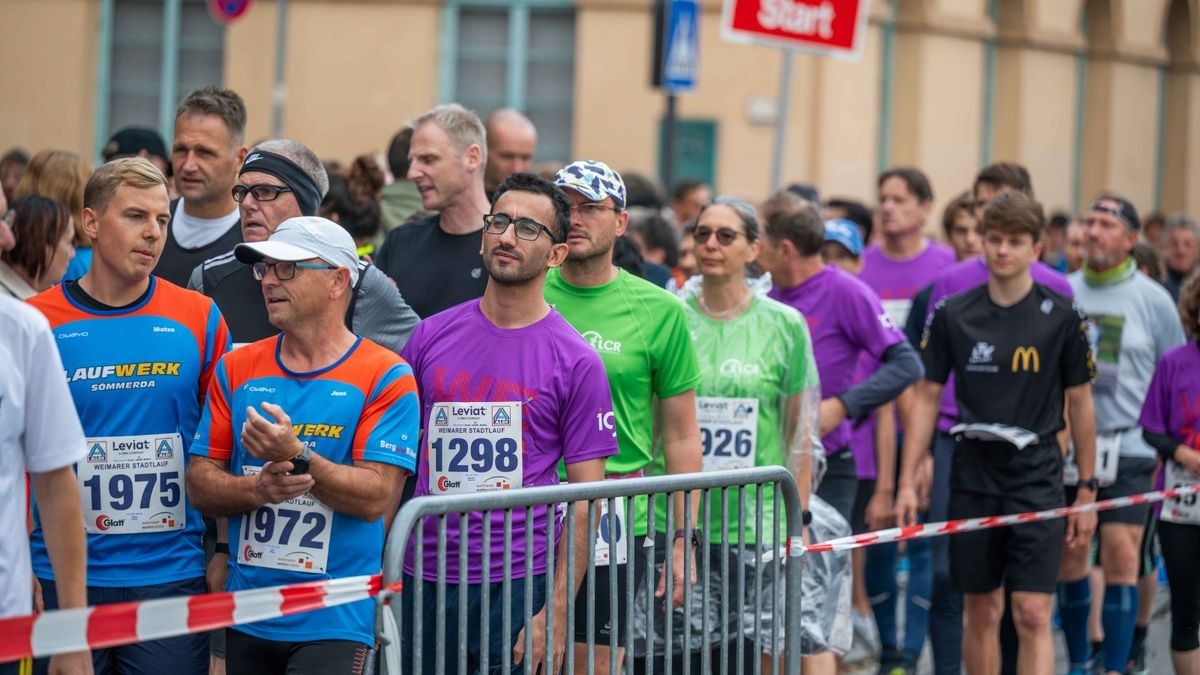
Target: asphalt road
[1158, 661]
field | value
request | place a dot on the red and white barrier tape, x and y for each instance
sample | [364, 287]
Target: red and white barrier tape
[69, 630]
[796, 546]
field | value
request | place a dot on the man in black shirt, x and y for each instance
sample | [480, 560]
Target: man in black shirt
[209, 146]
[1016, 349]
[436, 261]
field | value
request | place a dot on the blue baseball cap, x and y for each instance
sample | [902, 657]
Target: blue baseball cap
[592, 179]
[846, 233]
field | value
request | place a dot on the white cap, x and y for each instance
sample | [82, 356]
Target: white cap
[302, 238]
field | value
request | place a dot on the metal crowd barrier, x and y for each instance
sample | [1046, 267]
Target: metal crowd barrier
[721, 487]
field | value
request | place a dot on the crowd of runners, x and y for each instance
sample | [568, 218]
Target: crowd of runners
[233, 363]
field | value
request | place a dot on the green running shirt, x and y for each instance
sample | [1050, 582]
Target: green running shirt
[641, 335]
[758, 360]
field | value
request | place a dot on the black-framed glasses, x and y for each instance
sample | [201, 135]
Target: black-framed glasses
[285, 270]
[263, 192]
[527, 228]
[725, 236]
[592, 209]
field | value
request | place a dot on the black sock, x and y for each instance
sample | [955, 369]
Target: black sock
[1097, 645]
[1139, 640]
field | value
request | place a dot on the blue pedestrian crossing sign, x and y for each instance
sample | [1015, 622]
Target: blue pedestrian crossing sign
[681, 46]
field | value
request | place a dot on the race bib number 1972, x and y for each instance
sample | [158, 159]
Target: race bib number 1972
[292, 536]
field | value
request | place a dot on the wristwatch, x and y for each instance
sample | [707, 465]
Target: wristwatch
[693, 535]
[1092, 484]
[806, 518]
[302, 461]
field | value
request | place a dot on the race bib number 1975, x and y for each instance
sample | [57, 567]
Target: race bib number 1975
[133, 484]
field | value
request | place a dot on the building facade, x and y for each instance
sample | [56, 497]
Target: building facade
[1089, 94]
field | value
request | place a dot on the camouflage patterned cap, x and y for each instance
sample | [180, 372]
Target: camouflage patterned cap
[594, 180]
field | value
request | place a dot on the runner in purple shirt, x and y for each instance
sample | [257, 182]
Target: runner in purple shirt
[904, 262]
[508, 389]
[846, 321]
[1170, 422]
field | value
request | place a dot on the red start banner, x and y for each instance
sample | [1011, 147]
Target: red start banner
[832, 27]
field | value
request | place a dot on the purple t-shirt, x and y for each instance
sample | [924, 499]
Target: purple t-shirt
[963, 277]
[459, 356]
[846, 322]
[1172, 404]
[895, 282]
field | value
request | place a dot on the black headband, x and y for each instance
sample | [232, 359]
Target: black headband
[302, 185]
[1124, 211]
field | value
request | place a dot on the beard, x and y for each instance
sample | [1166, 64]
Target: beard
[520, 274]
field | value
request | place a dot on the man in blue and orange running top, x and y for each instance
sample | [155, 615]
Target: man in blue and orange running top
[138, 353]
[305, 444]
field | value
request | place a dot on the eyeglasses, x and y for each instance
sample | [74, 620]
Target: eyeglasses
[285, 270]
[725, 237]
[527, 229]
[263, 192]
[592, 209]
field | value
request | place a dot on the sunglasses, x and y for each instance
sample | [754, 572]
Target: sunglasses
[725, 237]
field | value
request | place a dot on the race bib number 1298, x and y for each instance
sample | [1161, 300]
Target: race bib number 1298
[474, 447]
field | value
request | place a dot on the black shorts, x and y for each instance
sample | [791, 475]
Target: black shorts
[605, 577]
[1021, 557]
[249, 655]
[858, 516]
[839, 486]
[1135, 475]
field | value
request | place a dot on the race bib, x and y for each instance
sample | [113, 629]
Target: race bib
[1108, 454]
[292, 536]
[133, 484]
[474, 447]
[611, 542]
[1184, 509]
[728, 431]
[897, 311]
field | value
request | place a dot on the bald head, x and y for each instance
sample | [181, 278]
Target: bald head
[512, 143]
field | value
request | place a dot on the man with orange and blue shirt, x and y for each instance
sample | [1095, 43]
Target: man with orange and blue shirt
[305, 445]
[138, 353]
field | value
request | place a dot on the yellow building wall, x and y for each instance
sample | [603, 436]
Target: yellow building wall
[1034, 117]
[937, 125]
[356, 72]
[47, 48]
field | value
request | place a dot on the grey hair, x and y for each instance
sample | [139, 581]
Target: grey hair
[461, 125]
[744, 210]
[1183, 221]
[302, 156]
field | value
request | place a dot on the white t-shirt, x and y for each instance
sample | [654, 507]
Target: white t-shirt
[39, 432]
[192, 232]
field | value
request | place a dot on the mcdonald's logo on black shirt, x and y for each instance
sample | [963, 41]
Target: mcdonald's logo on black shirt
[1026, 357]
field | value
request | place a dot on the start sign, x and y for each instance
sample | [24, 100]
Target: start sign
[833, 27]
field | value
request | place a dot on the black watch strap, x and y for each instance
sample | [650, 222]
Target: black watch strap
[1092, 484]
[806, 518]
[221, 547]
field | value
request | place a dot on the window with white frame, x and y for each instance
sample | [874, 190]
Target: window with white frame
[515, 54]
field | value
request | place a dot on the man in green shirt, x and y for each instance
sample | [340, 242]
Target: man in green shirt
[641, 333]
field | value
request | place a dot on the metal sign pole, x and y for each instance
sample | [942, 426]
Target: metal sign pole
[781, 121]
[279, 93]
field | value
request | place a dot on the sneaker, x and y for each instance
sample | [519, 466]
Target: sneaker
[865, 646]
